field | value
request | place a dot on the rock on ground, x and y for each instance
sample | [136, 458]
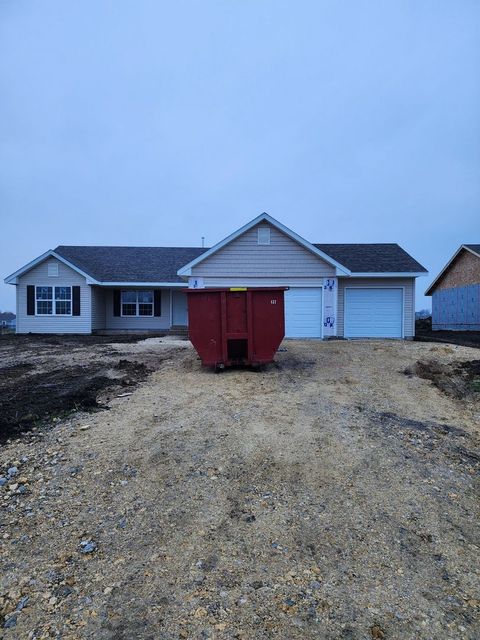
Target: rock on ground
[327, 496]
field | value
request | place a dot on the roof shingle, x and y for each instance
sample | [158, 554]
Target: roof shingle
[160, 264]
[372, 258]
[130, 264]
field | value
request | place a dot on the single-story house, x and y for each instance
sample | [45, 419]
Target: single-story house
[350, 290]
[456, 292]
[7, 320]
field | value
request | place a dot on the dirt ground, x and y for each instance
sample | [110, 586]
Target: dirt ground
[331, 495]
[424, 333]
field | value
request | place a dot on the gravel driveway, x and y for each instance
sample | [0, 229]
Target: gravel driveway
[328, 496]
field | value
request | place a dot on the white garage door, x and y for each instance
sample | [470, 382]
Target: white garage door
[303, 313]
[373, 313]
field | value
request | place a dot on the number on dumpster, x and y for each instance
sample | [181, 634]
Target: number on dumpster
[273, 302]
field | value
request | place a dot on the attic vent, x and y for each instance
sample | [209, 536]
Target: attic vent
[53, 269]
[263, 235]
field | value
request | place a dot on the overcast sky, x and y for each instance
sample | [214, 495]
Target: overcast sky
[156, 123]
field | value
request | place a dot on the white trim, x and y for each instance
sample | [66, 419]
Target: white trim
[264, 217]
[13, 278]
[463, 246]
[388, 274]
[54, 300]
[374, 288]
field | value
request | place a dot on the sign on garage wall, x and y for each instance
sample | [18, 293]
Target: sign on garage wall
[196, 283]
[330, 307]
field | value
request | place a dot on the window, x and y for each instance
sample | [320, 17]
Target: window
[52, 269]
[53, 301]
[263, 236]
[137, 303]
[63, 301]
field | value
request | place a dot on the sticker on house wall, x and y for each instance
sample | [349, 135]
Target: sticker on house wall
[329, 307]
[196, 283]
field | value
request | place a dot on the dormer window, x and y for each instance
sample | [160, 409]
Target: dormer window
[263, 236]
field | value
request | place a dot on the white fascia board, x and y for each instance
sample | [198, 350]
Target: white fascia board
[263, 217]
[427, 292]
[464, 246]
[13, 278]
[388, 274]
[141, 284]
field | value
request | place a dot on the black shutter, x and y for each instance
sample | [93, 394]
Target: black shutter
[157, 302]
[116, 302]
[75, 301]
[30, 300]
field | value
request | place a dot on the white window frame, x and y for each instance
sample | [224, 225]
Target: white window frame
[52, 269]
[54, 300]
[137, 303]
[263, 230]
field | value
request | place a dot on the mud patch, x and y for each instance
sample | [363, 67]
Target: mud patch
[29, 400]
[428, 438]
[16, 370]
[457, 379]
[391, 419]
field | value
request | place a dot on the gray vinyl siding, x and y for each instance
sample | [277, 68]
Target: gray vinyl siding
[282, 258]
[38, 276]
[262, 282]
[159, 323]
[408, 285]
[98, 308]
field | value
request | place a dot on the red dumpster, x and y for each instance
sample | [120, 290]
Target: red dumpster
[236, 326]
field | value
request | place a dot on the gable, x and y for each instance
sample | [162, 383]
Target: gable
[49, 257]
[42, 274]
[244, 256]
[462, 271]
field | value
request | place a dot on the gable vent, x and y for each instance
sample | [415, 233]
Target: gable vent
[52, 269]
[263, 236]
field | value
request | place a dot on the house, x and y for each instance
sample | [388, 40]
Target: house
[456, 292]
[7, 320]
[351, 290]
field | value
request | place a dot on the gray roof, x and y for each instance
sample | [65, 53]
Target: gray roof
[160, 264]
[372, 258]
[473, 247]
[130, 264]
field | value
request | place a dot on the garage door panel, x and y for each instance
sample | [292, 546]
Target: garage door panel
[373, 313]
[303, 313]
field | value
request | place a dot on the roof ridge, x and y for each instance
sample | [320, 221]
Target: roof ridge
[361, 244]
[119, 246]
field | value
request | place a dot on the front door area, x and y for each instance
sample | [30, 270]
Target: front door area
[179, 309]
